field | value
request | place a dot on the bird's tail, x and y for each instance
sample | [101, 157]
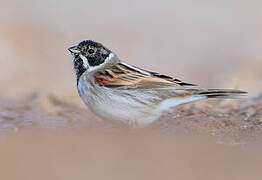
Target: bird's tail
[191, 95]
[222, 93]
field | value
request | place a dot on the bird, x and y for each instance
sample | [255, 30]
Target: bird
[118, 91]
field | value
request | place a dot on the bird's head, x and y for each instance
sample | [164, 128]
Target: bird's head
[90, 56]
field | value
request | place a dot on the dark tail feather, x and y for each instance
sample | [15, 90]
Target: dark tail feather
[223, 93]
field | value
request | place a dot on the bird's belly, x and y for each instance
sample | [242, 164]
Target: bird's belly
[123, 109]
[130, 108]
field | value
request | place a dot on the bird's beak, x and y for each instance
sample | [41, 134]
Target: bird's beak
[74, 50]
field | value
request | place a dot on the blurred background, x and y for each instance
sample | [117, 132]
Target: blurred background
[215, 44]
[211, 43]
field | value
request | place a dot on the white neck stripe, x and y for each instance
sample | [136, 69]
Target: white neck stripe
[85, 61]
[112, 58]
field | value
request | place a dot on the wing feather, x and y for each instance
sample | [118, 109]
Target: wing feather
[126, 76]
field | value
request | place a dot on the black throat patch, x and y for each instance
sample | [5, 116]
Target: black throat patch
[79, 67]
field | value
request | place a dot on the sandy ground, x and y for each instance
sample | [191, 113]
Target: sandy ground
[89, 155]
[46, 132]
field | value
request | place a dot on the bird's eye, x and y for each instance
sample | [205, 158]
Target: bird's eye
[91, 51]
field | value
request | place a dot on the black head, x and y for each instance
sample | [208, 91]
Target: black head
[87, 55]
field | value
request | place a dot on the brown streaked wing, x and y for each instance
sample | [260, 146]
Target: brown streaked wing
[126, 76]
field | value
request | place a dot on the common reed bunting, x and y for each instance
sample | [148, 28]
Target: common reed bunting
[115, 90]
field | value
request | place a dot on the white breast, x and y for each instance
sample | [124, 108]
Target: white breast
[129, 106]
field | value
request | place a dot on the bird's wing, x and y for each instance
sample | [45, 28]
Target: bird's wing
[125, 76]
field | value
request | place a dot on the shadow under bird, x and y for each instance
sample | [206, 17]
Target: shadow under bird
[115, 90]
